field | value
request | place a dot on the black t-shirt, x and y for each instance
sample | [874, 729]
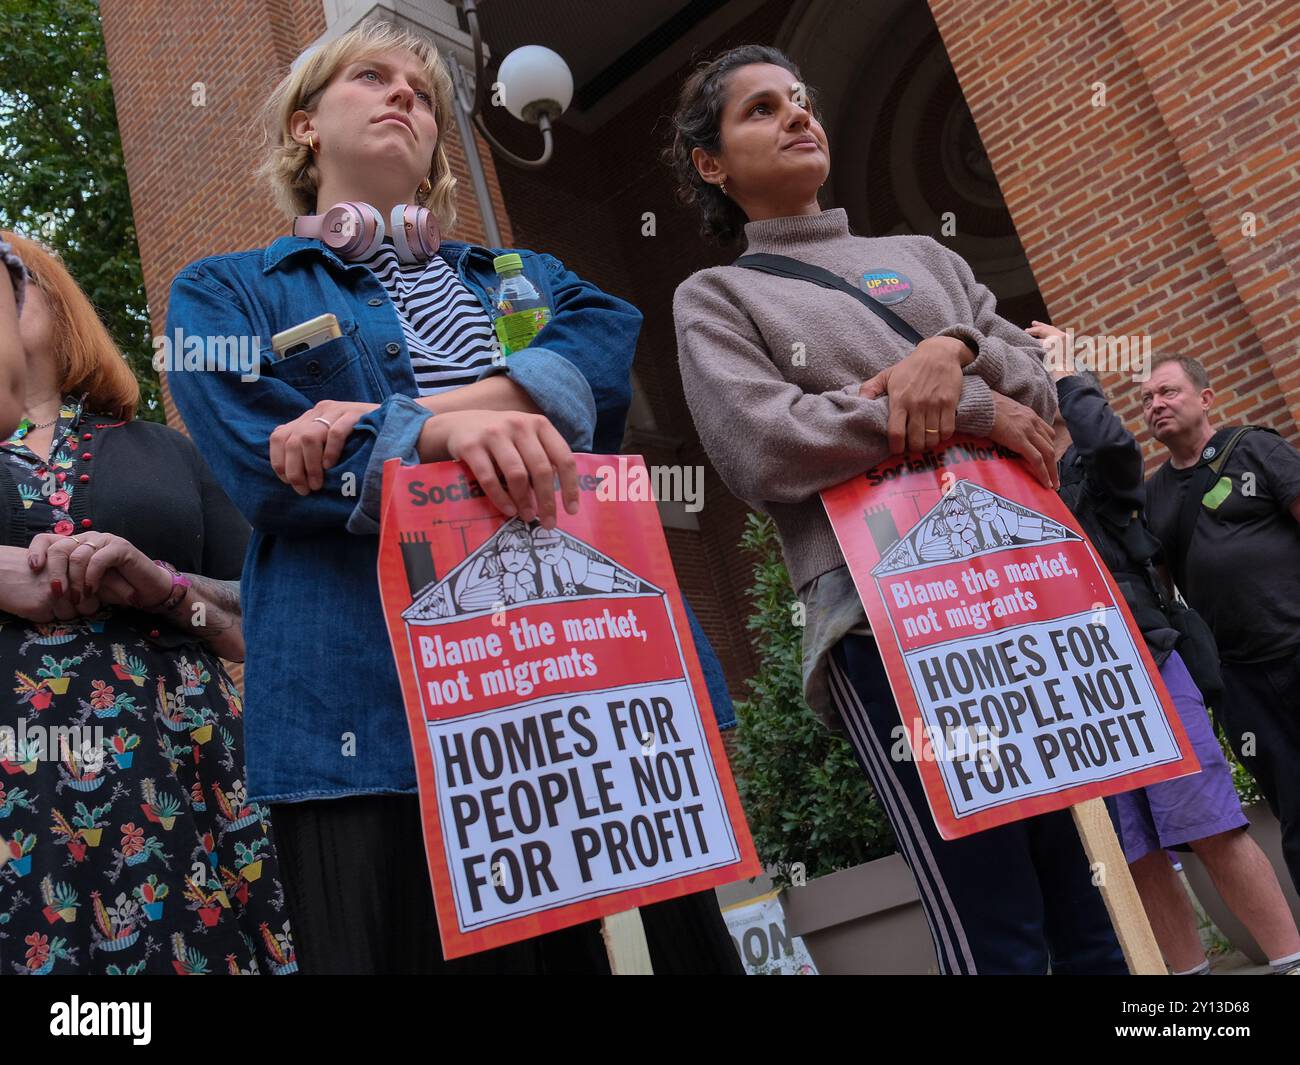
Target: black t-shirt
[1242, 572]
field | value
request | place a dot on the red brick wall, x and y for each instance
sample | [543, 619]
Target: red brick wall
[1129, 213]
[188, 166]
[1223, 74]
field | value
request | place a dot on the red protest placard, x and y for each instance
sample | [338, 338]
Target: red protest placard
[568, 760]
[1023, 683]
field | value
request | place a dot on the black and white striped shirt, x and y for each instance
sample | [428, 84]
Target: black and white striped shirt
[447, 331]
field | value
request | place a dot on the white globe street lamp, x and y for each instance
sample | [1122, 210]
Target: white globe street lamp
[534, 84]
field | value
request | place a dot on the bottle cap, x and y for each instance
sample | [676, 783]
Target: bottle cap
[512, 261]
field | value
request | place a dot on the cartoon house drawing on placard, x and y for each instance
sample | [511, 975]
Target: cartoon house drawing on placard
[970, 520]
[518, 564]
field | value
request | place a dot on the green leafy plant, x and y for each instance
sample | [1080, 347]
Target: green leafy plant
[63, 181]
[61, 668]
[167, 806]
[21, 844]
[246, 854]
[1247, 790]
[89, 819]
[151, 890]
[59, 895]
[198, 716]
[164, 805]
[171, 751]
[810, 808]
[122, 742]
[15, 798]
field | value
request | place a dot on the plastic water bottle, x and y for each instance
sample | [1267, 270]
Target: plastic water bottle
[521, 311]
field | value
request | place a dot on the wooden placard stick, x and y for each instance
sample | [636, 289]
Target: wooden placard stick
[624, 935]
[1118, 891]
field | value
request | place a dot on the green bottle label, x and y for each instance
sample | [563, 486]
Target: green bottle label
[516, 330]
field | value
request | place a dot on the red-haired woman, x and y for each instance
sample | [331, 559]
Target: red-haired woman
[127, 844]
[11, 348]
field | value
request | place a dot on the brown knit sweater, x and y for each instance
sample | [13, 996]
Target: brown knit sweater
[771, 367]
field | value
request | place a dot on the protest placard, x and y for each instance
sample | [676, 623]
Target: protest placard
[764, 943]
[568, 761]
[1022, 681]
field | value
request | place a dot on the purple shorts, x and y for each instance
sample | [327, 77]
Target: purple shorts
[1175, 812]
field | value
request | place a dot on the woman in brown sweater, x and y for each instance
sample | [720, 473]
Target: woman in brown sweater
[795, 388]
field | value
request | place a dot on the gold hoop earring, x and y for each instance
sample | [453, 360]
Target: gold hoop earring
[426, 187]
[311, 142]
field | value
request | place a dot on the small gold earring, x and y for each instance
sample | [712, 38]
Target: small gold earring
[426, 187]
[723, 186]
[311, 142]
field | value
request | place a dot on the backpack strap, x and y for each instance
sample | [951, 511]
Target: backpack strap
[784, 266]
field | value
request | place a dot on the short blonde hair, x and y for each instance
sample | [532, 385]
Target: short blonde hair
[290, 168]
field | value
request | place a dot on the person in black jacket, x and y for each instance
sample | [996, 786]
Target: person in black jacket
[1100, 466]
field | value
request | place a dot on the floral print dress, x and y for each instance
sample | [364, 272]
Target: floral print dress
[127, 842]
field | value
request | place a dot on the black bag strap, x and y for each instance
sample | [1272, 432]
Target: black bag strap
[784, 266]
[1140, 548]
[1206, 475]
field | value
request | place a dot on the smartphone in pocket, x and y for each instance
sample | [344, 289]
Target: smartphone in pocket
[305, 335]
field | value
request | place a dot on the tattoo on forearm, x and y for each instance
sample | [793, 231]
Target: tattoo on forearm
[212, 606]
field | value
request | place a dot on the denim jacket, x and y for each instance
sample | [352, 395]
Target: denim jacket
[324, 713]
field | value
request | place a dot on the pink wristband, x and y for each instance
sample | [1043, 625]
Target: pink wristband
[180, 585]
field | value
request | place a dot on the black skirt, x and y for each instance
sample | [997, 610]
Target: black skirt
[357, 886]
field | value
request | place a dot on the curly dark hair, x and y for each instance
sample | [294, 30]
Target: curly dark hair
[697, 123]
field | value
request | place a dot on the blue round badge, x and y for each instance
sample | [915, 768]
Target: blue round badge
[886, 286]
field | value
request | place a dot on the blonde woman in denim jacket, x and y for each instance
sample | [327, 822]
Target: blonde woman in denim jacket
[300, 446]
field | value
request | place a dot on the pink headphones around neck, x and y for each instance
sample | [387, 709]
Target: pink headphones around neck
[356, 230]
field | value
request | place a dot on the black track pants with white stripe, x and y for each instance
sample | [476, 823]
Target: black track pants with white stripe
[1014, 899]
